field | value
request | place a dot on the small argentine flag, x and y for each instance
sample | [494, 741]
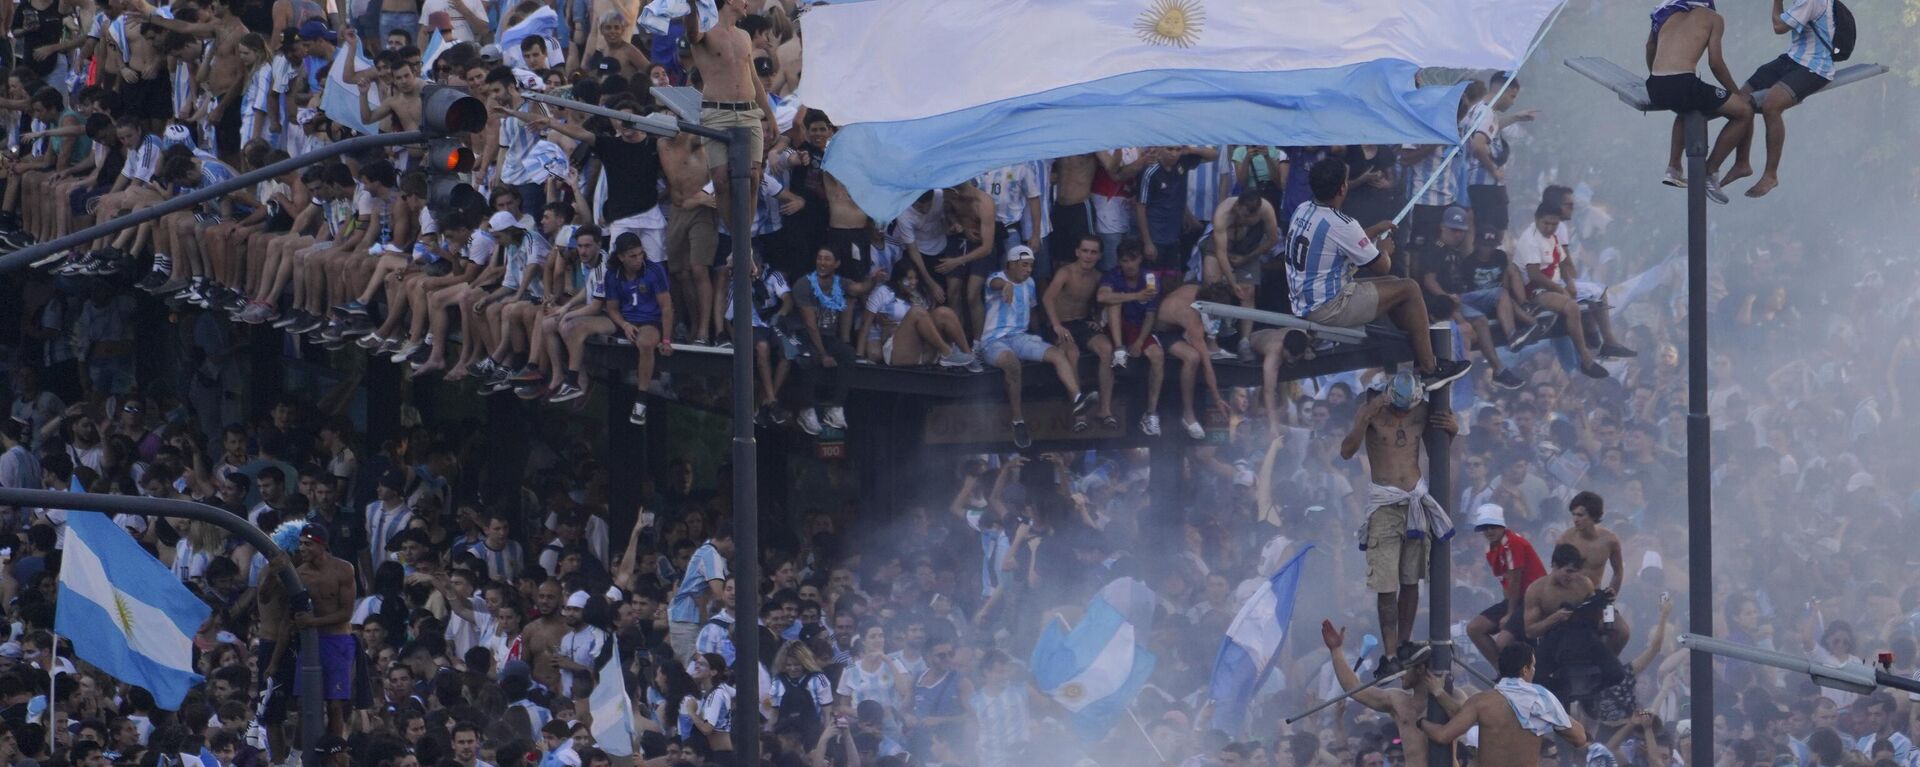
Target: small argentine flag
[125, 613]
[613, 730]
[1095, 669]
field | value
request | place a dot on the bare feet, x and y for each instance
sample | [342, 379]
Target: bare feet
[458, 372]
[1763, 186]
[1736, 173]
[427, 369]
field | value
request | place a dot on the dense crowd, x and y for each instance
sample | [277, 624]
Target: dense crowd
[463, 627]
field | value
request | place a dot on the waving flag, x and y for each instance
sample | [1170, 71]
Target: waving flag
[933, 92]
[612, 710]
[341, 99]
[544, 23]
[1253, 640]
[658, 16]
[1095, 669]
[125, 613]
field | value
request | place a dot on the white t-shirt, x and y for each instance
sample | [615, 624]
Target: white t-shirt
[461, 31]
[581, 646]
[1532, 248]
[480, 248]
[925, 231]
[883, 301]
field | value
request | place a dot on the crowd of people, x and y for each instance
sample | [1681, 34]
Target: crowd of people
[462, 627]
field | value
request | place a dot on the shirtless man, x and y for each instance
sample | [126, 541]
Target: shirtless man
[1402, 518]
[331, 585]
[275, 654]
[224, 71]
[1072, 213]
[1243, 232]
[1184, 333]
[1072, 314]
[850, 237]
[1549, 598]
[399, 103]
[1600, 548]
[543, 634]
[1505, 739]
[1682, 32]
[730, 94]
[970, 209]
[692, 233]
[1408, 706]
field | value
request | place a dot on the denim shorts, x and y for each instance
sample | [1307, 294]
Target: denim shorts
[1027, 347]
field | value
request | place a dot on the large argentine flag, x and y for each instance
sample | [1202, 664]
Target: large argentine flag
[1095, 669]
[932, 92]
[612, 710]
[1253, 639]
[125, 613]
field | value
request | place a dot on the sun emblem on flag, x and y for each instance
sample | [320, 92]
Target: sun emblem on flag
[1073, 691]
[1171, 22]
[123, 613]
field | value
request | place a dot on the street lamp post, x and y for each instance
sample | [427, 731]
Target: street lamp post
[745, 566]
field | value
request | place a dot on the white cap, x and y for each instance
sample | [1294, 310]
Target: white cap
[490, 51]
[1489, 514]
[1650, 560]
[577, 599]
[502, 221]
[1859, 480]
[1683, 728]
[1019, 253]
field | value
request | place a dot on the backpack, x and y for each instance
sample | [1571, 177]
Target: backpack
[1845, 34]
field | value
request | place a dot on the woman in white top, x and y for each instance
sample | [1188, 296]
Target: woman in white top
[874, 676]
[900, 329]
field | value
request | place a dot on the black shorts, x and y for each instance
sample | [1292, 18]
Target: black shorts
[1070, 223]
[226, 133]
[956, 247]
[1489, 211]
[1082, 332]
[1167, 338]
[1498, 614]
[276, 682]
[79, 200]
[1785, 71]
[854, 248]
[149, 99]
[1683, 93]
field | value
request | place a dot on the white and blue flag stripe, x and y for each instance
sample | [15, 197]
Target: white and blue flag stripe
[1134, 73]
[1253, 640]
[125, 613]
[1093, 670]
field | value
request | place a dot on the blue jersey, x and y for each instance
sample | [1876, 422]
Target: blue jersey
[706, 565]
[1327, 246]
[1006, 317]
[639, 297]
[1810, 40]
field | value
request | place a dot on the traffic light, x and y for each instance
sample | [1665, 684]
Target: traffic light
[446, 159]
[448, 112]
[445, 109]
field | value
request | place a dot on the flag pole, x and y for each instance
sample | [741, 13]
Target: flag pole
[1130, 715]
[53, 669]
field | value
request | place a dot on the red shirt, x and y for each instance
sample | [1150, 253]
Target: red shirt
[1515, 554]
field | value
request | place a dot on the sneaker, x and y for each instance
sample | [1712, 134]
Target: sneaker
[308, 325]
[1594, 370]
[1714, 193]
[1506, 379]
[763, 417]
[954, 358]
[1530, 335]
[1445, 372]
[836, 417]
[530, 391]
[1194, 429]
[292, 318]
[171, 287]
[352, 307]
[334, 345]
[974, 365]
[724, 345]
[639, 415]
[1222, 354]
[496, 386]
[566, 393]
[406, 350]
[332, 330]
[1616, 352]
[389, 346]
[529, 374]
[780, 416]
[810, 421]
[1150, 424]
[1389, 666]
[1674, 179]
[152, 281]
[1022, 436]
[370, 341]
[1084, 402]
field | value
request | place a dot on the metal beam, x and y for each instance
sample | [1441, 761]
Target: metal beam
[1857, 678]
[1632, 88]
[313, 710]
[28, 255]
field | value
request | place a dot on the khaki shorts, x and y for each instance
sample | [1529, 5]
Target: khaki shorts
[681, 636]
[729, 118]
[1393, 559]
[691, 238]
[1357, 304]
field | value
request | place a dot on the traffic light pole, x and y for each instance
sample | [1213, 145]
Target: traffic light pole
[313, 710]
[745, 565]
[245, 181]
